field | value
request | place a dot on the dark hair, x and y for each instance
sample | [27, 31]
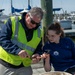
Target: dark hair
[56, 27]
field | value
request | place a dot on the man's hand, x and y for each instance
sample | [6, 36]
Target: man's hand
[35, 58]
[23, 54]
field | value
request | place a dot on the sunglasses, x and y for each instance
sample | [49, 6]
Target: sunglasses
[33, 22]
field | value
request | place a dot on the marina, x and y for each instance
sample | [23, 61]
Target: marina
[68, 24]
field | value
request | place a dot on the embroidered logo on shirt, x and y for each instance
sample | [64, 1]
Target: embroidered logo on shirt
[56, 53]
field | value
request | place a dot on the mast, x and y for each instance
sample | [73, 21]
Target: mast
[28, 2]
[11, 6]
[29, 7]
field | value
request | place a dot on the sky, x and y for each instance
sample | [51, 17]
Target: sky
[66, 5]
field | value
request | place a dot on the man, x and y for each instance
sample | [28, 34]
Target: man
[20, 43]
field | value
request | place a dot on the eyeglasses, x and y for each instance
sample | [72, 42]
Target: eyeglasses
[33, 22]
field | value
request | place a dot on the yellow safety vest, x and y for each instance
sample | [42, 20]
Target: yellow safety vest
[19, 38]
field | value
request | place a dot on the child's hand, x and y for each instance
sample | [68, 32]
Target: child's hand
[45, 55]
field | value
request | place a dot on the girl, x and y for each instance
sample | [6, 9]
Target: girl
[61, 50]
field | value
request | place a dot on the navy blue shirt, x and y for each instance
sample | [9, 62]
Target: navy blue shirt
[62, 55]
[6, 33]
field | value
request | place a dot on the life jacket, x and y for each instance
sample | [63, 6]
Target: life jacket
[19, 39]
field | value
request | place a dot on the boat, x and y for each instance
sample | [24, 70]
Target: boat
[69, 28]
[66, 23]
[18, 11]
[14, 12]
[3, 17]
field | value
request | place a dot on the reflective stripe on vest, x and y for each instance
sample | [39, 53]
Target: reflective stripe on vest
[24, 46]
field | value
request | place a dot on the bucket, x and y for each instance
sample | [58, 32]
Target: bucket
[55, 73]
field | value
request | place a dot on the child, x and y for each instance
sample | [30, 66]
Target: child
[61, 50]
